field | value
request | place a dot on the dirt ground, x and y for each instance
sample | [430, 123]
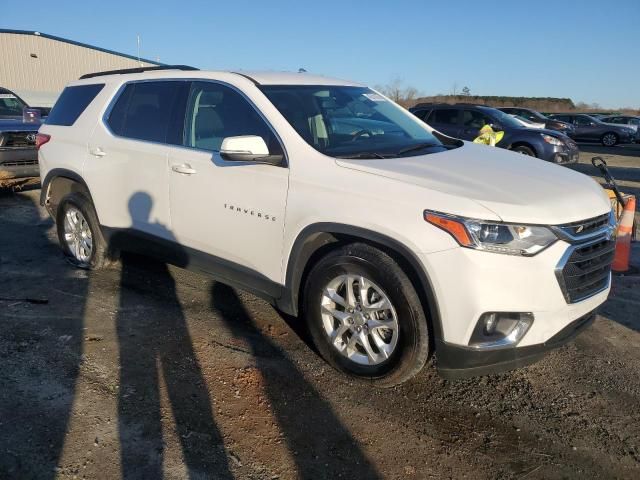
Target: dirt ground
[148, 371]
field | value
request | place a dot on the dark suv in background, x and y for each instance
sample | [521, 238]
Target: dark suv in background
[18, 155]
[535, 116]
[590, 129]
[465, 121]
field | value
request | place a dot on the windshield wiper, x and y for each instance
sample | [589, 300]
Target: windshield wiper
[363, 155]
[419, 146]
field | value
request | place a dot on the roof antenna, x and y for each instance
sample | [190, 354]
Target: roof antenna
[302, 70]
[138, 39]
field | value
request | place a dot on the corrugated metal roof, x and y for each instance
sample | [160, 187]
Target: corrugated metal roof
[79, 44]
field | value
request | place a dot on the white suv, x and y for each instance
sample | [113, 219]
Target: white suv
[392, 240]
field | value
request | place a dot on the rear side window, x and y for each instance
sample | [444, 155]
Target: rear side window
[71, 103]
[147, 111]
[446, 116]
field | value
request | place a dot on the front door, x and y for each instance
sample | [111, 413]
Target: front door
[585, 128]
[472, 122]
[233, 212]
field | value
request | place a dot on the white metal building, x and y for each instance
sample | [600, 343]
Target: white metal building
[37, 66]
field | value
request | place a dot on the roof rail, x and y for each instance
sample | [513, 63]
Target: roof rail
[138, 70]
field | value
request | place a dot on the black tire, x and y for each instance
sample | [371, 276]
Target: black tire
[524, 150]
[609, 139]
[412, 348]
[100, 257]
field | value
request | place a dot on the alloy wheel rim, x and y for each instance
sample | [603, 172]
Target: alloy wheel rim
[359, 319]
[609, 139]
[77, 235]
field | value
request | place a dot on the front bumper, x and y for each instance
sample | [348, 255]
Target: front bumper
[19, 162]
[468, 283]
[565, 154]
[455, 362]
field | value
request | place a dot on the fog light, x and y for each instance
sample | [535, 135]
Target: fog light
[500, 329]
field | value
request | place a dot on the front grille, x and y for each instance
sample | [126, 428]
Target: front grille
[585, 227]
[18, 139]
[587, 270]
[20, 163]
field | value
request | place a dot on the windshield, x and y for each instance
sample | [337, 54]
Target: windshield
[538, 115]
[504, 119]
[10, 105]
[352, 122]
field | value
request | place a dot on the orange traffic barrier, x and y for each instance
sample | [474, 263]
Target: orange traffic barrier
[623, 242]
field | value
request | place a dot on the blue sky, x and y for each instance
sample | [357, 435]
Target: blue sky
[586, 50]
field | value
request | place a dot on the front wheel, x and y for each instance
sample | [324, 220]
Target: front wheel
[365, 317]
[524, 150]
[609, 139]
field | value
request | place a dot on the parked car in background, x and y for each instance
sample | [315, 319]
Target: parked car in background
[590, 129]
[631, 121]
[538, 117]
[465, 121]
[369, 234]
[18, 154]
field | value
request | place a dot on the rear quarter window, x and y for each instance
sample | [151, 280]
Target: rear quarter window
[71, 103]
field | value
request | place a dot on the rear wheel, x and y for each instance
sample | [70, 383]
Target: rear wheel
[609, 139]
[79, 233]
[524, 150]
[365, 316]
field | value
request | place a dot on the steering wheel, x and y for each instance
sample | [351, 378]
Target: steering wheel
[360, 133]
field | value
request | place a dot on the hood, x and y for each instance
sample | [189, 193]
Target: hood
[16, 124]
[515, 187]
[539, 131]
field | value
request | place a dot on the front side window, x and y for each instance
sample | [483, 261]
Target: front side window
[584, 120]
[473, 119]
[146, 111]
[215, 111]
[353, 122]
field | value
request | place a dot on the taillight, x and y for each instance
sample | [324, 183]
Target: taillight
[41, 139]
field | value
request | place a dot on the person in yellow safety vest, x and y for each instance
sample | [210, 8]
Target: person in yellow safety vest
[488, 136]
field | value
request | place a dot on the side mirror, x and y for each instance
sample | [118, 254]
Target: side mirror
[248, 148]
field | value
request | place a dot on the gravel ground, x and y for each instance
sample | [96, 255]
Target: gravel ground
[145, 371]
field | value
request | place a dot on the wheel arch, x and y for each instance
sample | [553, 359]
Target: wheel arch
[317, 239]
[58, 183]
[523, 143]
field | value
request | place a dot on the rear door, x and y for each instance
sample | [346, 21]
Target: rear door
[233, 212]
[445, 120]
[127, 165]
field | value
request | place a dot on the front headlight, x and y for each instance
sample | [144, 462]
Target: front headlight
[508, 239]
[552, 140]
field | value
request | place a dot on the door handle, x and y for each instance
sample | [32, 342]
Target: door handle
[97, 152]
[184, 169]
